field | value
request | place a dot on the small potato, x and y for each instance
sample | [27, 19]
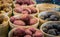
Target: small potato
[27, 36]
[38, 34]
[25, 12]
[28, 32]
[19, 22]
[12, 19]
[33, 21]
[33, 30]
[33, 10]
[19, 32]
[24, 17]
[18, 9]
[17, 5]
[31, 2]
[27, 9]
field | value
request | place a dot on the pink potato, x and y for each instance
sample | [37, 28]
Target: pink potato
[31, 2]
[19, 22]
[18, 9]
[19, 32]
[24, 17]
[33, 21]
[27, 9]
[12, 19]
[33, 30]
[27, 36]
[38, 34]
[24, 12]
[17, 5]
[28, 32]
[33, 10]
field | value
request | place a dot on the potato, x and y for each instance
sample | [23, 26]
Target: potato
[28, 32]
[19, 32]
[19, 22]
[24, 12]
[33, 30]
[33, 10]
[27, 36]
[12, 19]
[33, 21]
[18, 9]
[37, 34]
[27, 9]
[24, 17]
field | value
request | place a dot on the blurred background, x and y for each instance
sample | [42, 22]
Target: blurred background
[48, 1]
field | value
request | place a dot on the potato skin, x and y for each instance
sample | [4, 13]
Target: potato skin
[38, 34]
[19, 22]
[23, 32]
[33, 30]
[26, 2]
[33, 10]
[28, 32]
[19, 32]
[25, 17]
[27, 36]
[33, 21]
[24, 12]
[18, 9]
[27, 9]
[12, 19]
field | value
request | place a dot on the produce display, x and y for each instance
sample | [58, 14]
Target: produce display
[5, 8]
[49, 16]
[51, 29]
[25, 32]
[24, 2]
[26, 18]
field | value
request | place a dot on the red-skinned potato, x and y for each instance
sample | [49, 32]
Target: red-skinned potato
[28, 32]
[24, 12]
[18, 9]
[38, 34]
[12, 19]
[33, 10]
[17, 5]
[19, 32]
[31, 2]
[27, 9]
[24, 17]
[19, 22]
[33, 30]
[27, 36]
[33, 21]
